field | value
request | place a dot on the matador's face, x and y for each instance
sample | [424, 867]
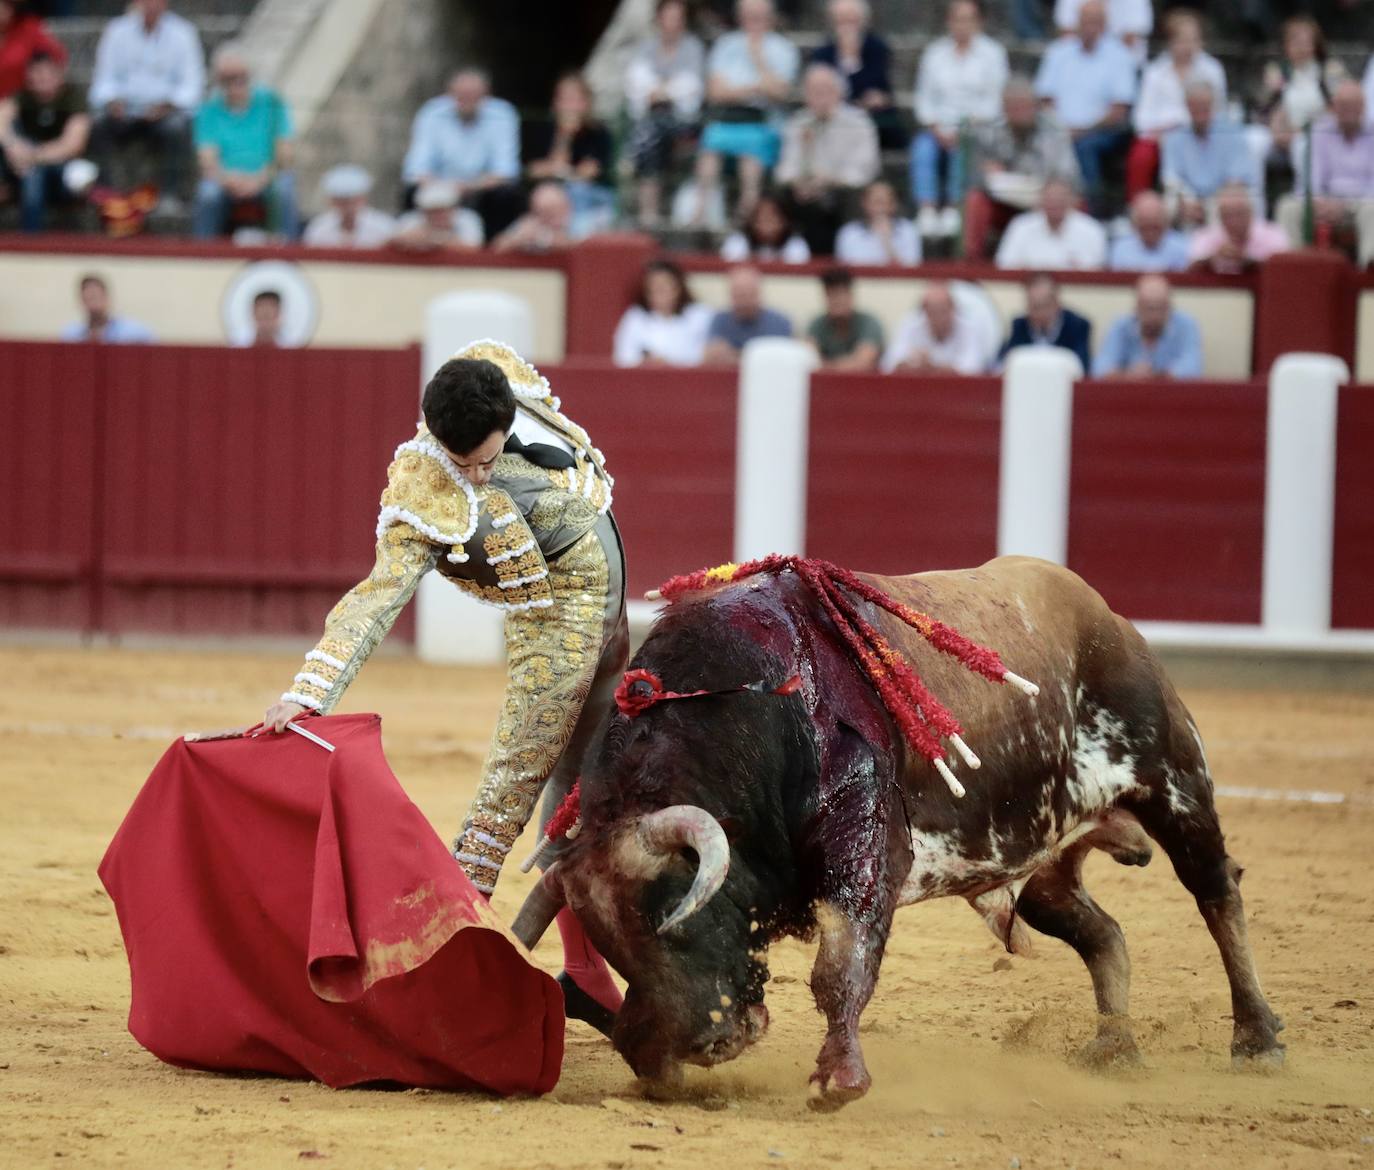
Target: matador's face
[477, 464]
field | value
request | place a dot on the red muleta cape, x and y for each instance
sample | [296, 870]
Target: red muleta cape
[288, 910]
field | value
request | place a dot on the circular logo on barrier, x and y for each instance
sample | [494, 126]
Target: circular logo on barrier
[270, 302]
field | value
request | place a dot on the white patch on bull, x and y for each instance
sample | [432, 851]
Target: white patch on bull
[1201, 751]
[1097, 780]
[938, 866]
[1025, 614]
[1180, 803]
[997, 907]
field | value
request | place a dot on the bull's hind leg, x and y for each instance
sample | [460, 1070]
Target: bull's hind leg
[1055, 903]
[1180, 815]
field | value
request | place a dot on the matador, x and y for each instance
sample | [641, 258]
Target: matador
[507, 498]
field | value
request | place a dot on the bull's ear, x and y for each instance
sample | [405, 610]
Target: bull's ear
[732, 828]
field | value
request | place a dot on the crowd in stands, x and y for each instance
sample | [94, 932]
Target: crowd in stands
[667, 326]
[1102, 158]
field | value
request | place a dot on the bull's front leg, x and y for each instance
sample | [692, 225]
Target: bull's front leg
[862, 846]
[842, 981]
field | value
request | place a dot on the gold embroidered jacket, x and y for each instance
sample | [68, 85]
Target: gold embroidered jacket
[493, 541]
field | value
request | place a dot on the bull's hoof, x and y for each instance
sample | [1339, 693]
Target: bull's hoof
[835, 1092]
[1268, 1061]
[1109, 1052]
[1133, 856]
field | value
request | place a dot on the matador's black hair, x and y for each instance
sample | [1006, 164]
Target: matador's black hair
[465, 401]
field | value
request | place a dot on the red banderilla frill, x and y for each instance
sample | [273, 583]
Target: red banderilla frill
[923, 719]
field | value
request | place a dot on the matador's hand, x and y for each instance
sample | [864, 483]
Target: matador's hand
[280, 714]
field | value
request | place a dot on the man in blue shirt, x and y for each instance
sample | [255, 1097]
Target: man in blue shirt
[243, 142]
[1047, 322]
[468, 137]
[1199, 159]
[744, 320]
[99, 324]
[1156, 341]
[1151, 245]
[1088, 80]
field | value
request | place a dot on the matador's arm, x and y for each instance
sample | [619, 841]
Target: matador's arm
[362, 618]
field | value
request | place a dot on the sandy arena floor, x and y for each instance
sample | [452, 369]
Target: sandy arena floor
[968, 1052]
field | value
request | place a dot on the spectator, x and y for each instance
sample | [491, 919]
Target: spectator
[97, 323]
[1156, 341]
[149, 78]
[1047, 322]
[1089, 82]
[1162, 106]
[1056, 236]
[958, 87]
[265, 331]
[1237, 241]
[1129, 21]
[22, 34]
[1293, 93]
[1013, 158]
[548, 224]
[574, 148]
[843, 337]
[42, 130]
[1151, 245]
[665, 326]
[468, 137]
[1302, 82]
[1342, 178]
[1203, 157]
[935, 339]
[663, 88]
[746, 318]
[243, 139]
[349, 222]
[749, 76]
[829, 151]
[437, 223]
[882, 236]
[864, 60]
[766, 235]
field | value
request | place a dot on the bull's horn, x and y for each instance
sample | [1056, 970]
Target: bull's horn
[540, 909]
[687, 826]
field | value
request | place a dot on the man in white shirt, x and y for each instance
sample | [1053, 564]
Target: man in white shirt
[149, 78]
[438, 223]
[1089, 82]
[1056, 236]
[882, 236]
[829, 151]
[958, 86]
[349, 222]
[1130, 21]
[935, 338]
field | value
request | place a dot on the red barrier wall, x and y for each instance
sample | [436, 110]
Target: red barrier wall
[903, 471]
[50, 415]
[199, 490]
[669, 440]
[1166, 513]
[1352, 570]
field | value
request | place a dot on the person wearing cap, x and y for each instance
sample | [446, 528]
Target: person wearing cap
[438, 223]
[243, 144]
[42, 129]
[349, 222]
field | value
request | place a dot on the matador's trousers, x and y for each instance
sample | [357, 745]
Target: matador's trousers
[563, 665]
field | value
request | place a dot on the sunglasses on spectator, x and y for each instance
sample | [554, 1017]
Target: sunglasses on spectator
[233, 78]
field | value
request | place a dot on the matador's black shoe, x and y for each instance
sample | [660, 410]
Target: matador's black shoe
[578, 1005]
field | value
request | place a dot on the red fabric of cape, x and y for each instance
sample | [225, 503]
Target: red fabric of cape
[288, 910]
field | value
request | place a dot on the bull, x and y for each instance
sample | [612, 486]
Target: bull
[711, 828]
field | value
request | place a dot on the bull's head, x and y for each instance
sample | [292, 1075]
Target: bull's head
[651, 892]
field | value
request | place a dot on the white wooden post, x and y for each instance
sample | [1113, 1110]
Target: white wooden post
[771, 448]
[450, 626]
[1300, 493]
[1037, 434]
